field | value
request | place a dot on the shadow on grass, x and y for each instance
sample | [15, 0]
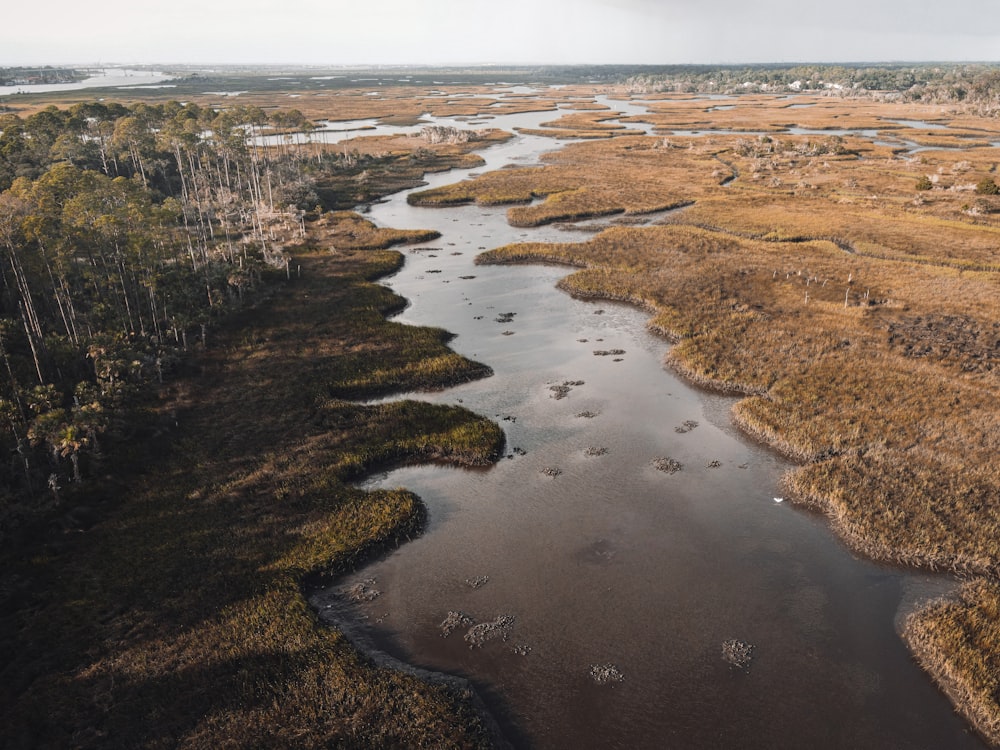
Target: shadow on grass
[179, 619]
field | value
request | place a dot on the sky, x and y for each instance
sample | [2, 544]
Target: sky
[389, 32]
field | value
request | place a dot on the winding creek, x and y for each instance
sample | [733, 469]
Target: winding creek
[583, 554]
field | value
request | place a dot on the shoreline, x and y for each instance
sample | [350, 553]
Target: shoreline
[974, 708]
[330, 608]
[333, 611]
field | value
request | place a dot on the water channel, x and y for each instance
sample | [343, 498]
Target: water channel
[585, 555]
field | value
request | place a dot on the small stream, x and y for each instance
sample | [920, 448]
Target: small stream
[589, 560]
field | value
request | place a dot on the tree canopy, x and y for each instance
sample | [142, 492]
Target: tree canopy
[123, 230]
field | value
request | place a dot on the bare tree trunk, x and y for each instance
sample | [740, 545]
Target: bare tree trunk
[31, 343]
[29, 316]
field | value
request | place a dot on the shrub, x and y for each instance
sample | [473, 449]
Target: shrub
[987, 186]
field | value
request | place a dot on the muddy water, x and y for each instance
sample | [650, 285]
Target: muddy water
[601, 560]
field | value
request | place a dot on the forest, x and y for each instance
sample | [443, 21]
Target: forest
[976, 86]
[124, 231]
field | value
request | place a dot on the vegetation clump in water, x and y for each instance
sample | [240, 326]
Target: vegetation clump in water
[453, 621]
[364, 591]
[667, 465]
[481, 634]
[738, 653]
[604, 674]
[562, 390]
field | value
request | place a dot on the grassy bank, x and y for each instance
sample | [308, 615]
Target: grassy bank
[178, 619]
[625, 175]
[955, 642]
[375, 166]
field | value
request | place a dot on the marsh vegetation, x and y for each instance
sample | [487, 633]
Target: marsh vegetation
[834, 266]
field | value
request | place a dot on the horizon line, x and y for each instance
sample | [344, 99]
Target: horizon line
[487, 64]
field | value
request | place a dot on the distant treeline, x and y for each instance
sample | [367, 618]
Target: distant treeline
[970, 83]
[975, 84]
[46, 74]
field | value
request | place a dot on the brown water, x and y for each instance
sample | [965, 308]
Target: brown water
[602, 559]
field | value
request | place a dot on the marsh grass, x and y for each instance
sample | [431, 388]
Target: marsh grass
[956, 642]
[185, 605]
[583, 124]
[346, 230]
[625, 175]
[386, 164]
[756, 113]
[880, 233]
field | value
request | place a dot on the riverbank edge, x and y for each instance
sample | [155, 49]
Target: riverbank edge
[317, 589]
[333, 612]
[919, 632]
[934, 660]
[316, 586]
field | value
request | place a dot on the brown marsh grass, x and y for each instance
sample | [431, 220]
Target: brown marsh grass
[582, 124]
[459, 155]
[955, 642]
[757, 113]
[346, 230]
[877, 232]
[624, 175]
[940, 139]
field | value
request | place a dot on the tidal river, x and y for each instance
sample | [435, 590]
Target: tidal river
[630, 533]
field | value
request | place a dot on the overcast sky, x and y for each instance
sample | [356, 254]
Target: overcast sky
[36, 32]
